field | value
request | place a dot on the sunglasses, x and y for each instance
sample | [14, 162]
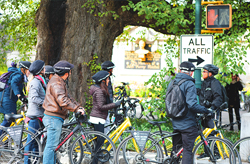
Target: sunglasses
[205, 71]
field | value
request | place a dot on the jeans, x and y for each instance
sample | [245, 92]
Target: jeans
[186, 139]
[54, 128]
[5, 123]
[100, 128]
[32, 146]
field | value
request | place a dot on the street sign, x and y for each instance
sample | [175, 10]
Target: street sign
[219, 16]
[197, 49]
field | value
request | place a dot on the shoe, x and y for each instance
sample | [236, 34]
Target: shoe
[203, 156]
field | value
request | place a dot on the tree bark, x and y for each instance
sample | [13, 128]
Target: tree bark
[67, 31]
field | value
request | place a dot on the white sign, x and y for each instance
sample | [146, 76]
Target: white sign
[197, 49]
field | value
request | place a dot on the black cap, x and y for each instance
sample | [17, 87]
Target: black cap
[107, 65]
[49, 70]
[63, 65]
[99, 76]
[24, 64]
[187, 66]
[36, 67]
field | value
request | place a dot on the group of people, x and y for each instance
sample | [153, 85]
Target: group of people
[210, 99]
[49, 101]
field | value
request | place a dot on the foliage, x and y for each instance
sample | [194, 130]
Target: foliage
[94, 68]
[18, 31]
[231, 135]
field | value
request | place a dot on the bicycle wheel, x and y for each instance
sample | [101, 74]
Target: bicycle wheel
[126, 151]
[80, 150]
[168, 140]
[9, 153]
[243, 147]
[138, 108]
[219, 148]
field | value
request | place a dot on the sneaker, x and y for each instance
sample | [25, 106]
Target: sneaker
[203, 156]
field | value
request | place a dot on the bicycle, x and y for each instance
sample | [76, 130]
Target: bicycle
[153, 152]
[13, 150]
[243, 146]
[134, 104]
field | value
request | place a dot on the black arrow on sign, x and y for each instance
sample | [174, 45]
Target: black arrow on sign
[198, 60]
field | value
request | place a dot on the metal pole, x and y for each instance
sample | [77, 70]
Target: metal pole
[197, 72]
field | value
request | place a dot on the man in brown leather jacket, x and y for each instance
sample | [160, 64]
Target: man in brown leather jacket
[57, 103]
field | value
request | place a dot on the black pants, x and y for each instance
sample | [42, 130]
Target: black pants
[98, 127]
[231, 118]
[186, 140]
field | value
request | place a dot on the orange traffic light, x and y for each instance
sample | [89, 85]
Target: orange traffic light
[219, 16]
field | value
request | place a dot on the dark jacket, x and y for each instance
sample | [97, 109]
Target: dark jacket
[233, 94]
[57, 101]
[189, 90]
[212, 92]
[110, 88]
[16, 85]
[100, 106]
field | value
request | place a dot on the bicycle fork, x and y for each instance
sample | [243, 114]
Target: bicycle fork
[206, 147]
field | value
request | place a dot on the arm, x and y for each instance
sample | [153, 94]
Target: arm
[191, 100]
[58, 90]
[101, 101]
[239, 86]
[15, 82]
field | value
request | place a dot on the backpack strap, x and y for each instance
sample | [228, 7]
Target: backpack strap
[182, 81]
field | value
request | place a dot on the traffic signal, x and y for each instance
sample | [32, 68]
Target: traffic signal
[219, 16]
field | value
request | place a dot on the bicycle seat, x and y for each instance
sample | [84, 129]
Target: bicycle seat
[12, 117]
[157, 122]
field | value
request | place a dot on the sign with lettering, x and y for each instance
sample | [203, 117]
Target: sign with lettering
[141, 138]
[219, 16]
[197, 49]
[16, 133]
[151, 60]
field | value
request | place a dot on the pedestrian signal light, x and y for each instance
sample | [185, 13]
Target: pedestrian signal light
[219, 16]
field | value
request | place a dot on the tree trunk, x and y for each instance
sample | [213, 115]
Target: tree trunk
[67, 31]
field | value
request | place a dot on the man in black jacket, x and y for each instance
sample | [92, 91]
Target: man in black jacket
[210, 94]
[108, 66]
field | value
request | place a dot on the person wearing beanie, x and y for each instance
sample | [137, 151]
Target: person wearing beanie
[36, 95]
[57, 104]
[14, 90]
[108, 66]
[186, 125]
[101, 104]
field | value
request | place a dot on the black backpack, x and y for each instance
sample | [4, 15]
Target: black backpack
[175, 100]
[224, 95]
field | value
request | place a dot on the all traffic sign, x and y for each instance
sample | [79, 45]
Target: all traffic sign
[197, 49]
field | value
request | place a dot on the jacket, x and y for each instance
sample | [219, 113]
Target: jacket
[213, 95]
[100, 105]
[57, 101]
[36, 97]
[16, 86]
[233, 93]
[189, 91]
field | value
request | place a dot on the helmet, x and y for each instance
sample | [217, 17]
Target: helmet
[36, 67]
[99, 76]
[107, 65]
[24, 64]
[49, 70]
[211, 68]
[187, 66]
[62, 67]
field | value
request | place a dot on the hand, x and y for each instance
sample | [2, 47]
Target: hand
[81, 109]
[118, 103]
[23, 99]
[209, 110]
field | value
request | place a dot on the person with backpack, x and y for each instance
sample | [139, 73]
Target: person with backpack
[108, 66]
[182, 91]
[36, 95]
[211, 93]
[234, 99]
[13, 89]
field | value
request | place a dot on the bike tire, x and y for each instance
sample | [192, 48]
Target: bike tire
[80, 151]
[126, 152]
[139, 108]
[8, 154]
[243, 147]
[225, 155]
